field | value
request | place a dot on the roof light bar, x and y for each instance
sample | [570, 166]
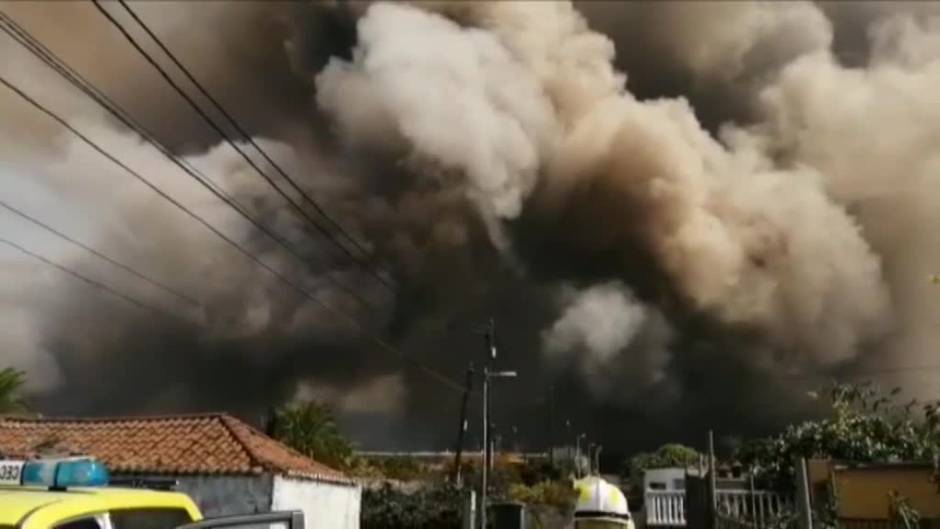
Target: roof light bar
[55, 473]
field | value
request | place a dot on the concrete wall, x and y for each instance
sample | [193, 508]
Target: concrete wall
[863, 493]
[226, 495]
[862, 488]
[325, 505]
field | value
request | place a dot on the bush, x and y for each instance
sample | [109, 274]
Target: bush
[560, 495]
[668, 455]
[436, 507]
[396, 468]
[538, 470]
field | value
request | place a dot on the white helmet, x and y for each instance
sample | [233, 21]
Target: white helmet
[600, 505]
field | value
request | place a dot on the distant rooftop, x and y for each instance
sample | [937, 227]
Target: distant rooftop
[206, 444]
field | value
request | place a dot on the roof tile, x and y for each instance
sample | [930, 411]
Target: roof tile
[177, 445]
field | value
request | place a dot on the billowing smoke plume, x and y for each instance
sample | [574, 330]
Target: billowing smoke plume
[461, 104]
[661, 196]
[734, 234]
[618, 343]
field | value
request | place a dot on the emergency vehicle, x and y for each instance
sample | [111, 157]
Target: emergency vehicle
[73, 493]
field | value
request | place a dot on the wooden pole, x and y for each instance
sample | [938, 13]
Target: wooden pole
[462, 430]
[712, 480]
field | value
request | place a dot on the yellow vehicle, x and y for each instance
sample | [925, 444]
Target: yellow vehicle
[72, 493]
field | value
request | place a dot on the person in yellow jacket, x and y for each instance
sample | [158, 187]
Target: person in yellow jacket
[600, 505]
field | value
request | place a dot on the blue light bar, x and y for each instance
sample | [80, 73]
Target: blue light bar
[63, 473]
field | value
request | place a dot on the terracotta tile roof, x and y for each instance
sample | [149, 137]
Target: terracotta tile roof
[176, 445]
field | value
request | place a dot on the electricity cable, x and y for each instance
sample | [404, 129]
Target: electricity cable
[208, 119]
[97, 284]
[96, 253]
[382, 344]
[34, 46]
[237, 126]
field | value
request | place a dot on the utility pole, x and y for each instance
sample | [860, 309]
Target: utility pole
[495, 444]
[486, 445]
[590, 459]
[577, 454]
[551, 425]
[462, 430]
[484, 480]
[487, 450]
[712, 478]
[597, 460]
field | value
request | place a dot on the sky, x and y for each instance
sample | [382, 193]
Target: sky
[680, 216]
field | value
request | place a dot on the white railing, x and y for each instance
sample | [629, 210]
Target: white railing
[758, 506]
[665, 507]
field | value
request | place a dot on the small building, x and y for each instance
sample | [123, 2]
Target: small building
[225, 465]
[864, 489]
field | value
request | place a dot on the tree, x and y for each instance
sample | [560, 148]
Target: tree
[11, 382]
[310, 428]
[864, 425]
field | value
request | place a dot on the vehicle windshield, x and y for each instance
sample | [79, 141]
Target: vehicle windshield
[599, 524]
[149, 518]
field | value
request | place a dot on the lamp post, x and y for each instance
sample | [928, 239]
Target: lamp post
[487, 455]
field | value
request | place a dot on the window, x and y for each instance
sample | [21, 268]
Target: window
[269, 520]
[657, 485]
[148, 518]
[81, 523]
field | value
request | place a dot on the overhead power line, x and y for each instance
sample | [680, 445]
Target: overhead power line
[360, 331]
[98, 254]
[97, 284]
[235, 124]
[32, 44]
[208, 119]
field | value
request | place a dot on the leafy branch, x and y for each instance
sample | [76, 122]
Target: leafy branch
[11, 383]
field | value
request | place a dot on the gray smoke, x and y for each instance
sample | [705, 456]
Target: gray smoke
[660, 196]
[618, 343]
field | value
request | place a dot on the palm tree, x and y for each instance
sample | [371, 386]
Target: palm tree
[11, 381]
[310, 428]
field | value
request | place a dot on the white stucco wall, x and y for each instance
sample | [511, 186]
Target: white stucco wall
[667, 476]
[325, 505]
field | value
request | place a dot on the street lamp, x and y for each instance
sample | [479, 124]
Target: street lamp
[487, 456]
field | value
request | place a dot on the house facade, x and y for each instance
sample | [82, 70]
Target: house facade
[225, 465]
